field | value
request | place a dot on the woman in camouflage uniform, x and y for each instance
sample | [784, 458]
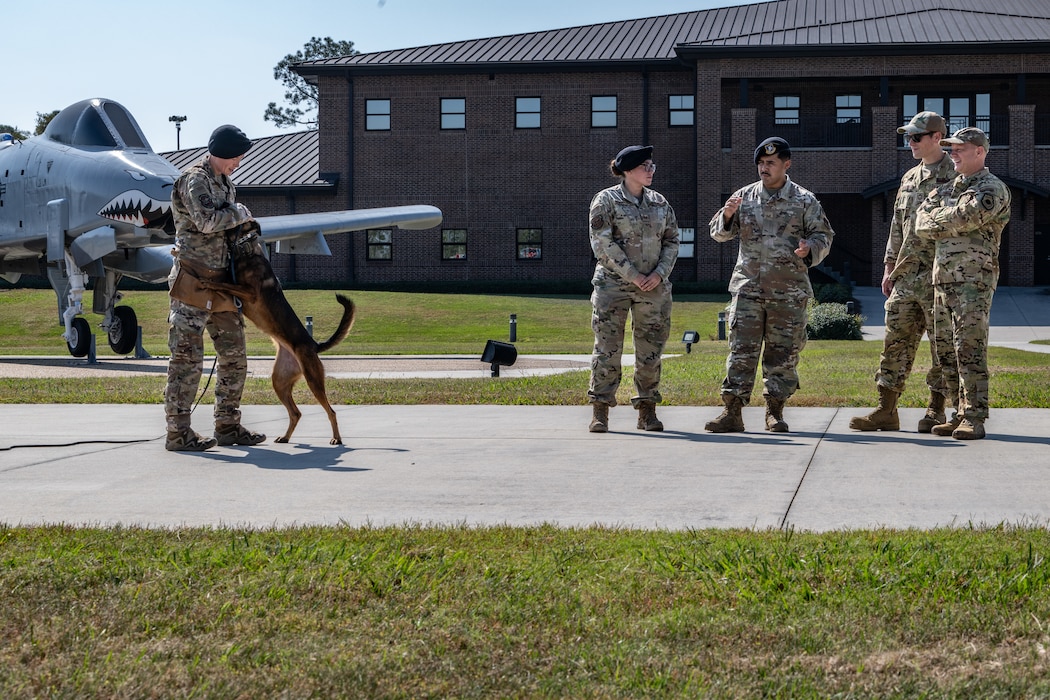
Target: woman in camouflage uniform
[634, 236]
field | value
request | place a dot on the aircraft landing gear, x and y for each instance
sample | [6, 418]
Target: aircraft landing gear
[123, 330]
[78, 338]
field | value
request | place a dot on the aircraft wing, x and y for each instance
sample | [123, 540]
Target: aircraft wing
[304, 233]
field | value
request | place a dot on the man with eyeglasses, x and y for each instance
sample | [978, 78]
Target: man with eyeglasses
[908, 285]
[966, 218]
[783, 231]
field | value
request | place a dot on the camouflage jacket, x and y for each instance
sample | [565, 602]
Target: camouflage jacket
[203, 206]
[769, 227]
[966, 218]
[631, 238]
[912, 255]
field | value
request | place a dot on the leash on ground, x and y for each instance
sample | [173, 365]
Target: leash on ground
[74, 444]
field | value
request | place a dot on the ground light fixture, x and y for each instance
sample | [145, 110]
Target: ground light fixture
[690, 337]
[499, 354]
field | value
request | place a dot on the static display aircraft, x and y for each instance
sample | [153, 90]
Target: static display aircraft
[89, 199]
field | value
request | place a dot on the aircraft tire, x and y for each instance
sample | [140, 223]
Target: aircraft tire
[123, 331]
[79, 341]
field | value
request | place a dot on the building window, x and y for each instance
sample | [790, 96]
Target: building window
[680, 108]
[686, 242]
[527, 113]
[380, 246]
[603, 111]
[847, 109]
[785, 109]
[958, 110]
[454, 244]
[453, 113]
[377, 115]
[530, 243]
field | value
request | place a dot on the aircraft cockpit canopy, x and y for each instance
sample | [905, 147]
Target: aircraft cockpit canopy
[96, 123]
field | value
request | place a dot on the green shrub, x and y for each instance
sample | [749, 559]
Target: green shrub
[832, 292]
[832, 322]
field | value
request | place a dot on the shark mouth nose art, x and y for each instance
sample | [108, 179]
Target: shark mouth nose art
[137, 208]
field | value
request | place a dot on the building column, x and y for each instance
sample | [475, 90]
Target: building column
[742, 157]
[1020, 248]
[709, 168]
[884, 143]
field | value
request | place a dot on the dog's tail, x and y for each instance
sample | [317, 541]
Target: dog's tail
[345, 324]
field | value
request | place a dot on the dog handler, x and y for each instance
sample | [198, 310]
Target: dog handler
[203, 203]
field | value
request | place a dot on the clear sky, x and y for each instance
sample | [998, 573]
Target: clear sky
[213, 61]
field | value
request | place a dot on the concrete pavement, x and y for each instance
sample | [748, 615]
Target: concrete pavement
[520, 465]
[525, 465]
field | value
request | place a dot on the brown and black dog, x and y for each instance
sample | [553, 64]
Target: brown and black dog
[264, 304]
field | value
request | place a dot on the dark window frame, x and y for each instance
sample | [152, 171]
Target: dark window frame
[525, 241]
[596, 112]
[690, 242]
[371, 115]
[673, 110]
[371, 246]
[448, 245]
[849, 113]
[519, 113]
[447, 113]
[782, 113]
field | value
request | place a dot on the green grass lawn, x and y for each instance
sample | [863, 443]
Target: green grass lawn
[507, 612]
[523, 612]
[832, 373]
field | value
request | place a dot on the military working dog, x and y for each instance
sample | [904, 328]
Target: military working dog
[264, 304]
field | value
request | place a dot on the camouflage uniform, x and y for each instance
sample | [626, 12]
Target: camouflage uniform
[770, 285]
[966, 218]
[910, 309]
[629, 238]
[203, 206]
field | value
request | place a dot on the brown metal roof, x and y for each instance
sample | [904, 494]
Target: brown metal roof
[778, 24]
[287, 160]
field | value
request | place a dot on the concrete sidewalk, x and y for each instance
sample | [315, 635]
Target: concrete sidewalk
[527, 465]
[520, 465]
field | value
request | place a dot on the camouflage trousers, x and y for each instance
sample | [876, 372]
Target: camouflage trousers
[967, 306]
[186, 325]
[773, 330]
[651, 324]
[911, 312]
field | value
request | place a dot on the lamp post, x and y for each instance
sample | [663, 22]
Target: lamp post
[178, 128]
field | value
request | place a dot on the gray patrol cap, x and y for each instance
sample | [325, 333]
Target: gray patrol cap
[969, 134]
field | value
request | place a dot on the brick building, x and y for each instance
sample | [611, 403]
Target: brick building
[511, 136]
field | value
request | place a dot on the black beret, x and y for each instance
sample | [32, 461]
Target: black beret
[773, 146]
[228, 142]
[632, 156]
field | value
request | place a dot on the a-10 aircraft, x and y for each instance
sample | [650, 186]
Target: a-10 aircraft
[89, 199]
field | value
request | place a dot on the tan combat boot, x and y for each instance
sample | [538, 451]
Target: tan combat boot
[969, 429]
[946, 429]
[934, 413]
[775, 415]
[730, 420]
[186, 440]
[237, 435]
[600, 421]
[647, 419]
[884, 417]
